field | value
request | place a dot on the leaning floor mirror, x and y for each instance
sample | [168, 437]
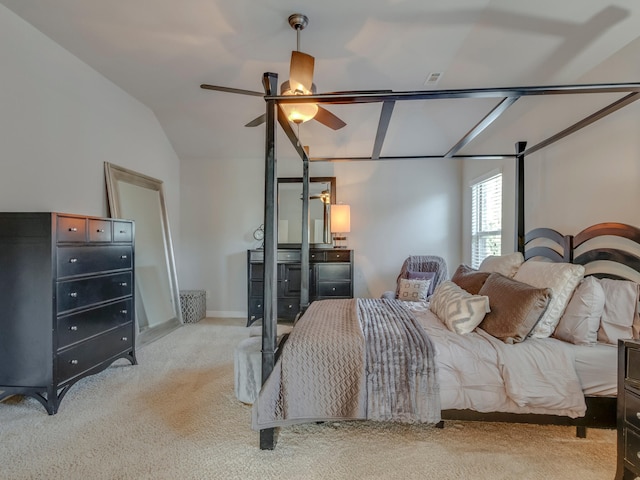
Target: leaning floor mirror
[138, 197]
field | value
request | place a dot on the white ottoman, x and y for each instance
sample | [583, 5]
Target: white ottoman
[247, 363]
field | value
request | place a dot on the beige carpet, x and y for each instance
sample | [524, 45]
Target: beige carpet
[174, 416]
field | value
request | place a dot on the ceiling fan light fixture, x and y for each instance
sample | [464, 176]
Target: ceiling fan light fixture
[298, 112]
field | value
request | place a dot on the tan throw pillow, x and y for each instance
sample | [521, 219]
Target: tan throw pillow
[620, 313]
[460, 311]
[561, 278]
[507, 265]
[469, 279]
[516, 308]
[580, 322]
[413, 290]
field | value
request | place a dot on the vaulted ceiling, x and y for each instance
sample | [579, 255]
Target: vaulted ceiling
[160, 51]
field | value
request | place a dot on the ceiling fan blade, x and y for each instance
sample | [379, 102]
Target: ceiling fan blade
[257, 121]
[327, 118]
[301, 71]
[231, 90]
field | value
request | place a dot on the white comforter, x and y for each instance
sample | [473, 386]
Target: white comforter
[478, 372]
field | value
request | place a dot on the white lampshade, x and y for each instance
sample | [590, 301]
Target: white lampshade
[340, 218]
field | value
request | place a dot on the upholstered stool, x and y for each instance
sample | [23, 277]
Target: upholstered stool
[247, 363]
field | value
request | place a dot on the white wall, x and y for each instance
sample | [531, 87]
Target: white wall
[60, 121]
[589, 177]
[397, 209]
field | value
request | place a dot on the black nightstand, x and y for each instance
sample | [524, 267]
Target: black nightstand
[628, 410]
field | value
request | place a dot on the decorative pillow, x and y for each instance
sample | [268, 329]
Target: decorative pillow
[580, 322]
[561, 278]
[469, 279]
[507, 265]
[413, 290]
[460, 311]
[411, 275]
[516, 308]
[620, 314]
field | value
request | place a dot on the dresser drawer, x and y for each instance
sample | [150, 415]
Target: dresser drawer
[93, 259]
[99, 230]
[122, 231]
[338, 256]
[289, 256]
[288, 308]
[71, 229]
[332, 271]
[84, 356]
[334, 289]
[75, 294]
[88, 323]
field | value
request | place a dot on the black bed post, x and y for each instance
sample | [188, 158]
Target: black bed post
[519, 240]
[270, 317]
[304, 260]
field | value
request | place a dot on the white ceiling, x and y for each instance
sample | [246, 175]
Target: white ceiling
[160, 51]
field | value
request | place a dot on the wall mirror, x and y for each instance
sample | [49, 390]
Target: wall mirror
[137, 197]
[322, 194]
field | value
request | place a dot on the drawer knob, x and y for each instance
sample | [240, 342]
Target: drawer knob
[73, 229]
[73, 294]
[73, 260]
[124, 339]
[100, 230]
[123, 312]
[285, 280]
[290, 306]
[73, 362]
[338, 256]
[123, 231]
[123, 257]
[259, 306]
[333, 288]
[123, 284]
[73, 328]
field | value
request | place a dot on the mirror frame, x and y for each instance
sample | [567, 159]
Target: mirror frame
[113, 175]
[332, 182]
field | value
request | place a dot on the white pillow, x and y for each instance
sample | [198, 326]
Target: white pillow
[413, 290]
[460, 311]
[507, 265]
[581, 320]
[561, 278]
[620, 314]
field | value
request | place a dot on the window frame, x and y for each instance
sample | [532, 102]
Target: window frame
[477, 218]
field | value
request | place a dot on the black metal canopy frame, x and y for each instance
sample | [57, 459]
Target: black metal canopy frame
[506, 96]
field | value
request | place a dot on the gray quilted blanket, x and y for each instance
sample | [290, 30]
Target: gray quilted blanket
[352, 359]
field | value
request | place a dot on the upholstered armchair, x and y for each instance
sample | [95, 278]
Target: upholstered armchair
[421, 267]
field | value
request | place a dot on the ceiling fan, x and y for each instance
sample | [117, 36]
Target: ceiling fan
[300, 83]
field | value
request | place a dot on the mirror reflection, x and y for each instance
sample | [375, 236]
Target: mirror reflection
[322, 193]
[135, 196]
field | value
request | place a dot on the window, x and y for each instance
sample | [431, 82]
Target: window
[486, 218]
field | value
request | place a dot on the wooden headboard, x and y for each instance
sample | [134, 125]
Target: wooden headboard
[610, 250]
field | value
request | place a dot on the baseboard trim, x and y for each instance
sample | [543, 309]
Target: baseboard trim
[226, 314]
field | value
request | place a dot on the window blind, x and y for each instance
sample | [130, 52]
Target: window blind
[486, 219]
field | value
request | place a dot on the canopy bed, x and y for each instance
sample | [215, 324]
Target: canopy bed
[598, 413]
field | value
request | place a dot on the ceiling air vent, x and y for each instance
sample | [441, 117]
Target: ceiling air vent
[433, 78]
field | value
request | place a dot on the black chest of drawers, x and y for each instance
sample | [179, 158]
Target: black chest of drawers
[330, 276]
[628, 410]
[66, 290]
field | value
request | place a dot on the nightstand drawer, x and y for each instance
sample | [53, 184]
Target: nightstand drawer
[632, 447]
[632, 409]
[339, 256]
[633, 364]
